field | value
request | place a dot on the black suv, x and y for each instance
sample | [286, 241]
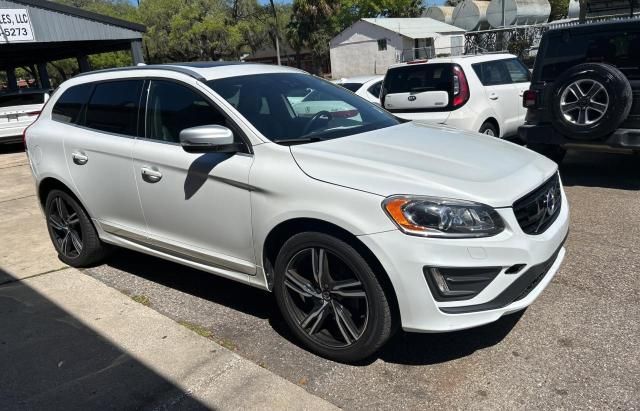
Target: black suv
[585, 89]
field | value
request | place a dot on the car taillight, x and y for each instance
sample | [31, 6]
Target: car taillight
[530, 98]
[33, 113]
[460, 87]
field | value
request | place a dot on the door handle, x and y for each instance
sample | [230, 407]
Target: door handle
[150, 175]
[79, 158]
[493, 96]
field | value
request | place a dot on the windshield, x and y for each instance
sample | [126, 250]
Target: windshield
[417, 78]
[295, 108]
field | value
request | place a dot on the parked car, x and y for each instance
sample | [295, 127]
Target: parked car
[18, 109]
[585, 90]
[480, 93]
[358, 225]
[319, 101]
[367, 87]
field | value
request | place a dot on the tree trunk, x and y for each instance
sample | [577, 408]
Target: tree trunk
[583, 11]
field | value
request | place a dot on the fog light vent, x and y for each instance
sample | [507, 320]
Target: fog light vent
[455, 284]
[514, 269]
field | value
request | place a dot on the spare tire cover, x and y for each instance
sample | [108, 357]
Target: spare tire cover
[590, 101]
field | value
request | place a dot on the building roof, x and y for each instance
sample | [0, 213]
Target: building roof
[415, 27]
[76, 12]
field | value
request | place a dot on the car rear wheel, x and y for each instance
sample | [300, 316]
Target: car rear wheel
[72, 232]
[489, 129]
[590, 101]
[331, 298]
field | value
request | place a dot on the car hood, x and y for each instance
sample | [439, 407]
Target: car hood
[417, 158]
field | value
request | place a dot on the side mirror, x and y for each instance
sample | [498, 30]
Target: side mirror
[210, 138]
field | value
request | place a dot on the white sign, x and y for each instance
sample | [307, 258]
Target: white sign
[15, 26]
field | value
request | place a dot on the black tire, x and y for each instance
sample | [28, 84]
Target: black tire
[555, 153]
[76, 226]
[331, 338]
[489, 129]
[618, 99]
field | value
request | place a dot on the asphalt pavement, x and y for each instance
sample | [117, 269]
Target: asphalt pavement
[576, 347]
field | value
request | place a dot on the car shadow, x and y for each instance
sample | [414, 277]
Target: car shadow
[403, 348]
[218, 290]
[598, 169]
[199, 170]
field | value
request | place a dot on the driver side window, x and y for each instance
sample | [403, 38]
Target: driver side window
[172, 108]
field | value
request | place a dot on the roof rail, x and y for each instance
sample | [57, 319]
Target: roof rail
[168, 67]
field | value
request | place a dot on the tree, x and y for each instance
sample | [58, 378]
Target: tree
[559, 9]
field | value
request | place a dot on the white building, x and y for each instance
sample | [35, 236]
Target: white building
[370, 46]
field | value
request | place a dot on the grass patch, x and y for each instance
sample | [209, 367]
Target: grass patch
[196, 329]
[142, 299]
[228, 344]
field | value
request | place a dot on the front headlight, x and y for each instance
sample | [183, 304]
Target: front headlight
[441, 217]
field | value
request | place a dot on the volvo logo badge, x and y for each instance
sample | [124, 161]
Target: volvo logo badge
[550, 200]
[412, 98]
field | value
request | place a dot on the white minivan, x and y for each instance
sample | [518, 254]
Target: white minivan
[359, 225]
[477, 93]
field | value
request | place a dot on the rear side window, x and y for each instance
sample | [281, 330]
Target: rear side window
[565, 49]
[21, 99]
[492, 73]
[114, 107]
[172, 107]
[418, 78]
[352, 86]
[69, 106]
[375, 89]
[518, 72]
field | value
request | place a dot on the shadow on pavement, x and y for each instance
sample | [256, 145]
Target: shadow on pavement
[427, 349]
[50, 360]
[607, 170]
[238, 296]
[403, 348]
[11, 148]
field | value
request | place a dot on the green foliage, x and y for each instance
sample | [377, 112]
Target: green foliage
[559, 9]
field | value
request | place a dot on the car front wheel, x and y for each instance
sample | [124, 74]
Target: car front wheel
[331, 298]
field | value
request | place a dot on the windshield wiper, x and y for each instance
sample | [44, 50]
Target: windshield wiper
[294, 141]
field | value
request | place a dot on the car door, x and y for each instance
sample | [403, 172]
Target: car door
[98, 151]
[197, 206]
[500, 94]
[521, 80]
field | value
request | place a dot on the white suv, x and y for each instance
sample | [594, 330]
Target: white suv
[357, 224]
[18, 109]
[477, 93]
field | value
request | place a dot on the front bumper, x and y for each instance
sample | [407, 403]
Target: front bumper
[404, 258]
[546, 134]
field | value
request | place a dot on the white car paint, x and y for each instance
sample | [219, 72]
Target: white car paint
[14, 118]
[367, 85]
[342, 182]
[501, 103]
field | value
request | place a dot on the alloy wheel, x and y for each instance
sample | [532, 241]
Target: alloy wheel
[584, 102]
[64, 222]
[326, 298]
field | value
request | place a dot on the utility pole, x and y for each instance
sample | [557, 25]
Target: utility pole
[276, 31]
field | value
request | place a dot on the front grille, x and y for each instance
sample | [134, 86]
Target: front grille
[539, 209]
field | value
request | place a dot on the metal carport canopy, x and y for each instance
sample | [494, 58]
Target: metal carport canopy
[33, 32]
